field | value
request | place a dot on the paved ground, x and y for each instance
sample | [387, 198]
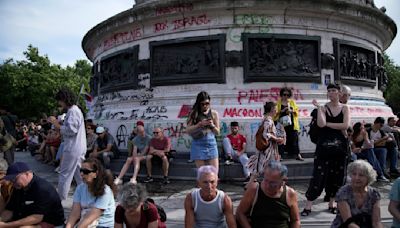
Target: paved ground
[171, 197]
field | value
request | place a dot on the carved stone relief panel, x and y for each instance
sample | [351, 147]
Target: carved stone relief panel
[274, 57]
[355, 63]
[118, 71]
[188, 61]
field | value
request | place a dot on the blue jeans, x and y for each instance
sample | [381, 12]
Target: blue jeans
[392, 155]
[380, 154]
[371, 158]
[229, 151]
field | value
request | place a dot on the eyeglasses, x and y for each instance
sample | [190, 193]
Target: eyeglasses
[273, 184]
[204, 103]
[87, 171]
[286, 95]
[155, 132]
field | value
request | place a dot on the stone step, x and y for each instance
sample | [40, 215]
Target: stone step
[181, 169]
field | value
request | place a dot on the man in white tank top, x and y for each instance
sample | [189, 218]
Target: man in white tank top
[206, 206]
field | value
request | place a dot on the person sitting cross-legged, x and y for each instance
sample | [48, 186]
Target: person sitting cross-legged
[235, 147]
[159, 145]
[139, 152]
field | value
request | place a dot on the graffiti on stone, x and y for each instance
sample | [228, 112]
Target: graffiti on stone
[122, 135]
[248, 23]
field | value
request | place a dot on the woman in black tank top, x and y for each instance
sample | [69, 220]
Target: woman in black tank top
[332, 150]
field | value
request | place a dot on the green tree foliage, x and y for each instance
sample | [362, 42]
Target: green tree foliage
[392, 92]
[28, 86]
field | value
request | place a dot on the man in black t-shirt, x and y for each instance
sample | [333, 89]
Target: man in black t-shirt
[34, 201]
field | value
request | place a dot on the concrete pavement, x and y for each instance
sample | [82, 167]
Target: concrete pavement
[171, 197]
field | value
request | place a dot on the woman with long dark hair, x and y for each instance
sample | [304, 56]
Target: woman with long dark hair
[287, 114]
[94, 204]
[203, 125]
[363, 149]
[332, 150]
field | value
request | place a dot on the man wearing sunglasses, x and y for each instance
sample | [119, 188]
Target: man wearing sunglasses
[34, 201]
[159, 146]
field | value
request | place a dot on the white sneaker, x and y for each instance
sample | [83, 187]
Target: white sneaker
[133, 181]
[57, 170]
[117, 181]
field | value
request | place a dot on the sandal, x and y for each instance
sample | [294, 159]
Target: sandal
[332, 210]
[305, 212]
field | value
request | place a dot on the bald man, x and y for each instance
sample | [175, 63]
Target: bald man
[345, 93]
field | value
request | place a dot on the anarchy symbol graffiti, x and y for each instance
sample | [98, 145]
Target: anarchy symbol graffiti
[122, 134]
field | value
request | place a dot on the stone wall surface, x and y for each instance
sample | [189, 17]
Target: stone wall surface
[251, 48]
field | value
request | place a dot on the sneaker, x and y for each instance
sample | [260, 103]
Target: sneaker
[117, 181]
[190, 161]
[133, 181]
[166, 180]
[228, 162]
[57, 170]
[382, 179]
[148, 179]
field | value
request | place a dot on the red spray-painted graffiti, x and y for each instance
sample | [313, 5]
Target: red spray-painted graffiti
[262, 95]
[183, 7]
[181, 23]
[122, 37]
[243, 112]
[184, 112]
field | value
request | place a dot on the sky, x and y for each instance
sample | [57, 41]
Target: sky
[57, 27]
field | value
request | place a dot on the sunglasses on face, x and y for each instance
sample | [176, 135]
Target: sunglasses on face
[87, 171]
[286, 95]
[155, 132]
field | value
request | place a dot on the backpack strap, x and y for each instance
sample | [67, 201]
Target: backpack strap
[255, 199]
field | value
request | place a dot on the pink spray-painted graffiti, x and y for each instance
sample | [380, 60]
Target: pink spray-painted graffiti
[262, 95]
[243, 112]
[369, 112]
[177, 8]
[181, 23]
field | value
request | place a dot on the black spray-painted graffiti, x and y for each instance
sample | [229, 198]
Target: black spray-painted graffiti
[149, 113]
[122, 135]
[145, 96]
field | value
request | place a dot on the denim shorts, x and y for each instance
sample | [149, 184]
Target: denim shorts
[204, 148]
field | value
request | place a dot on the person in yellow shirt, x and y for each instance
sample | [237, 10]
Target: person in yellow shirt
[288, 115]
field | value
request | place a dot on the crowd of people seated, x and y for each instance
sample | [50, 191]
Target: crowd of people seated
[348, 159]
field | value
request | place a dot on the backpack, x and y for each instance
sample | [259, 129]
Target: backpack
[314, 129]
[261, 142]
[160, 210]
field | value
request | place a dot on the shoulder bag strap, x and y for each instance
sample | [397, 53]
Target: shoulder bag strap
[255, 199]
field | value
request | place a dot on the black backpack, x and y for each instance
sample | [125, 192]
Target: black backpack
[314, 129]
[160, 210]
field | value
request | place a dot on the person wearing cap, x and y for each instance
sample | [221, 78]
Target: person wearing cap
[105, 148]
[34, 201]
[235, 148]
[74, 146]
[139, 152]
